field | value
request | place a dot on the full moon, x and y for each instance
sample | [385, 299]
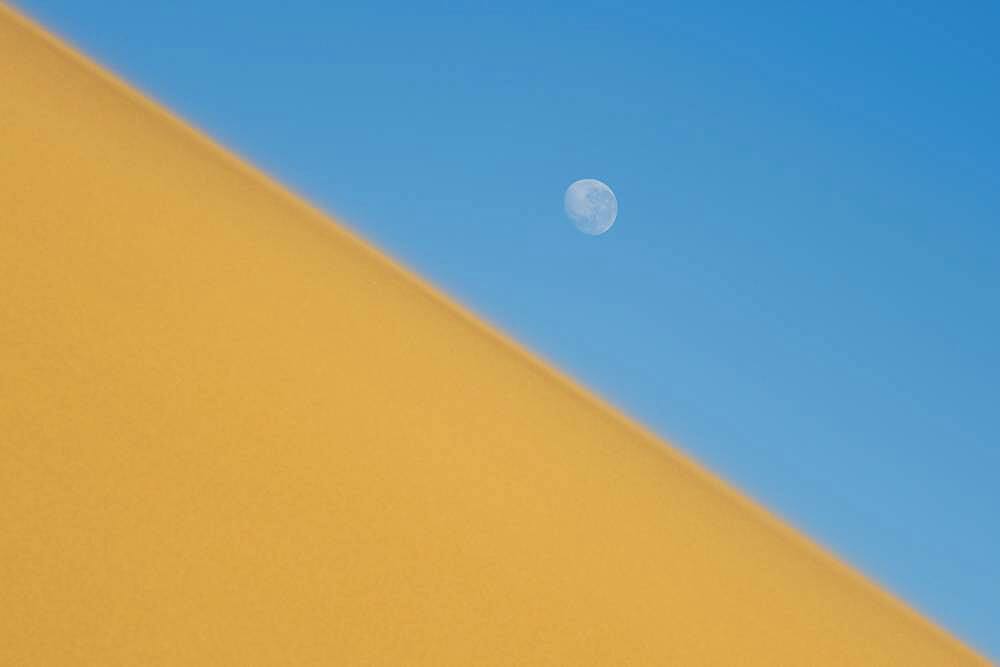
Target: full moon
[591, 205]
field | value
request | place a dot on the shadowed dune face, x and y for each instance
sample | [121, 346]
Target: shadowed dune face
[231, 433]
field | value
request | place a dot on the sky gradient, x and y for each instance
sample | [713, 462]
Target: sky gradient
[801, 287]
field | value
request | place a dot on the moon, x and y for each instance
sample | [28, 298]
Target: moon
[591, 205]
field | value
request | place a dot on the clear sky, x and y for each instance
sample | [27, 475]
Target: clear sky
[802, 288]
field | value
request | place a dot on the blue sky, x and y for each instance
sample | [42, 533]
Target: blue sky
[802, 287]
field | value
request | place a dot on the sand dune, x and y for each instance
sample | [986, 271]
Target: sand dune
[233, 433]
